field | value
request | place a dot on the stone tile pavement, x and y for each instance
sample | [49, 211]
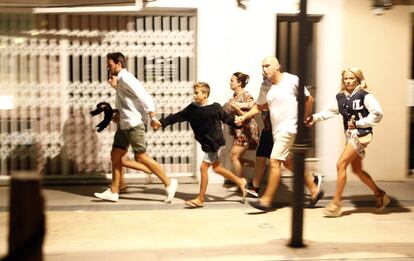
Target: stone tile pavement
[141, 227]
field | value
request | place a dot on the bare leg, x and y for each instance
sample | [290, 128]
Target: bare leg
[236, 154]
[228, 174]
[364, 176]
[116, 159]
[203, 183]
[153, 166]
[122, 181]
[347, 156]
[241, 182]
[259, 171]
[133, 164]
[272, 182]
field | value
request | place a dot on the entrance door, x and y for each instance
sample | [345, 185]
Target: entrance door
[287, 54]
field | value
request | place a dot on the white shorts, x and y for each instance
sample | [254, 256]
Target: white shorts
[359, 144]
[282, 145]
[211, 157]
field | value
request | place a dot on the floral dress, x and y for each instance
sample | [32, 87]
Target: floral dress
[248, 135]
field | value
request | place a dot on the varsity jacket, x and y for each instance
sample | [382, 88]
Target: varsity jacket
[361, 104]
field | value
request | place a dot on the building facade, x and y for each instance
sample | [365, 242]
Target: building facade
[53, 65]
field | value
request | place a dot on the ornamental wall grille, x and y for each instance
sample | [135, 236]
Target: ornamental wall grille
[54, 69]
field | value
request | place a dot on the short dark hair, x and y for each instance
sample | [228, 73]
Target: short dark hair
[117, 57]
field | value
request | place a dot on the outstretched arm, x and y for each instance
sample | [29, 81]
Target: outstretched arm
[174, 118]
[330, 112]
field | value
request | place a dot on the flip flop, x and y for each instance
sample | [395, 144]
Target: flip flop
[193, 204]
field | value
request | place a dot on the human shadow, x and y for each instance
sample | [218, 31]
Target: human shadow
[80, 151]
[365, 204]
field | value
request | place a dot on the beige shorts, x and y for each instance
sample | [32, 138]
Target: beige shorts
[282, 145]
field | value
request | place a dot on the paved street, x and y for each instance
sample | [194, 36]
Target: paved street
[141, 227]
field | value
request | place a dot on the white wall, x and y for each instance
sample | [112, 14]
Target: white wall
[232, 39]
[381, 47]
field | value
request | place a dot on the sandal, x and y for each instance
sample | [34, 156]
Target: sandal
[333, 209]
[194, 203]
[382, 200]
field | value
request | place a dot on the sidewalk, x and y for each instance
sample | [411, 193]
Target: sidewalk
[141, 227]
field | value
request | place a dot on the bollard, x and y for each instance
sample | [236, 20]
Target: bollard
[26, 217]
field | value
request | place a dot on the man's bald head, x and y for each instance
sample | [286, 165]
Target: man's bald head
[271, 60]
[271, 68]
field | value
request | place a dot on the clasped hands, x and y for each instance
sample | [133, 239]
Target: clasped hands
[155, 124]
[238, 120]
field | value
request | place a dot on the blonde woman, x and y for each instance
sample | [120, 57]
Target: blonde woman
[360, 111]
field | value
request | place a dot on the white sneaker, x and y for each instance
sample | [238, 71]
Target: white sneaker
[108, 195]
[317, 179]
[171, 189]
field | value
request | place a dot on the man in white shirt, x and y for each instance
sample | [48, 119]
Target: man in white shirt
[278, 94]
[133, 104]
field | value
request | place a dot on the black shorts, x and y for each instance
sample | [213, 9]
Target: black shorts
[264, 149]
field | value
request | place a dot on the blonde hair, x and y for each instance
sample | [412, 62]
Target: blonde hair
[362, 84]
[203, 86]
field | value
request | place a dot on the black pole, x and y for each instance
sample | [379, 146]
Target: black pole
[299, 147]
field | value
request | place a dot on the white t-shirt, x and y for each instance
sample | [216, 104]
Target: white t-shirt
[282, 101]
[132, 101]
